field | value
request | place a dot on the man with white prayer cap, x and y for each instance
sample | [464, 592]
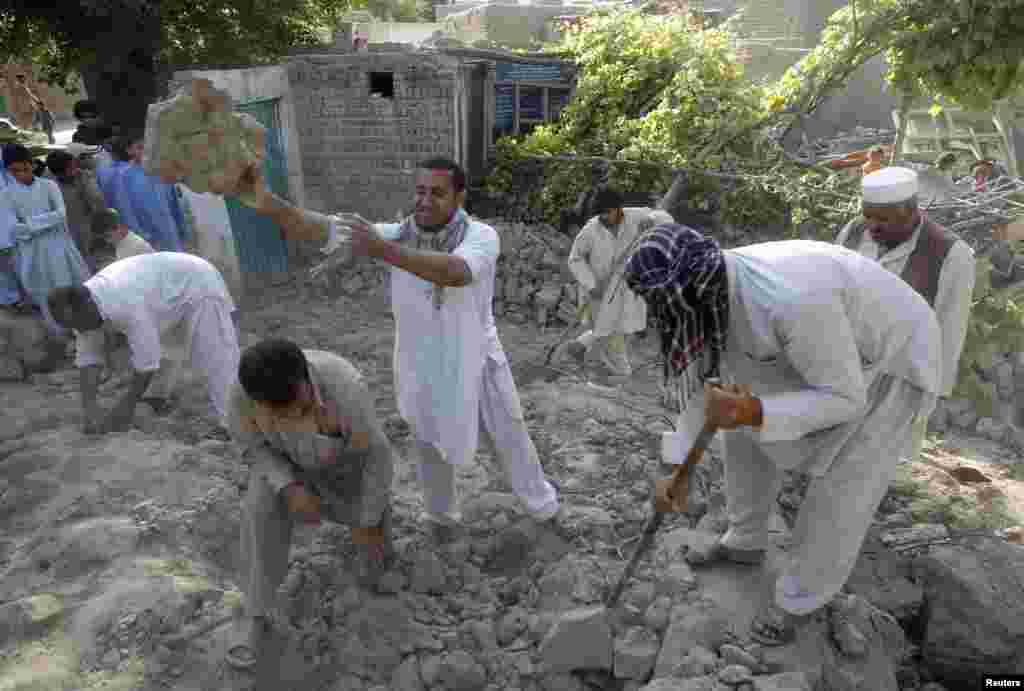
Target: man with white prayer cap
[842, 356]
[934, 261]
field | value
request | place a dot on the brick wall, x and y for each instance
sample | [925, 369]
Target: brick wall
[364, 120]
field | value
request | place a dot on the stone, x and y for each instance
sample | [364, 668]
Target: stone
[430, 669]
[677, 578]
[579, 639]
[974, 595]
[880, 647]
[992, 429]
[460, 672]
[657, 615]
[11, 369]
[562, 682]
[965, 420]
[734, 675]
[787, 681]
[512, 625]
[428, 575]
[919, 533]
[407, 676]
[680, 541]
[735, 655]
[883, 578]
[635, 654]
[391, 583]
[699, 662]
[692, 624]
[483, 634]
[669, 684]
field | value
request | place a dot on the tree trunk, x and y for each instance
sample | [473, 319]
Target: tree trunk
[674, 194]
[901, 133]
[124, 78]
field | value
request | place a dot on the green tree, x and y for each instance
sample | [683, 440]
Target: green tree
[123, 48]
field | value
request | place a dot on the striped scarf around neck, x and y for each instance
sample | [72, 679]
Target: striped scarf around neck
[444, 240]
[681, 275]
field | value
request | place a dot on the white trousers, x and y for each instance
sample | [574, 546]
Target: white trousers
[213, 349]
[502, 423]
[839, 506]
[611, 350]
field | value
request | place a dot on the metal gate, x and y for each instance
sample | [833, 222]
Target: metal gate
[261, 246]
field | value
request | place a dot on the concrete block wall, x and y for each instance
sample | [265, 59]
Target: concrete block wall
[364, 120]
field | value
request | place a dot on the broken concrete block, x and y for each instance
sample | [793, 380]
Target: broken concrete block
[579, 639]
[919, 533]
[635, 653]
[675, 580]
[195, 138]
[428, 574]
[787, 681]
[692, 624]
[460, 672]
[975, 601]
[669, 684]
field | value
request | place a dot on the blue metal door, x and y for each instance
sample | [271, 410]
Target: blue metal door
[261, 245]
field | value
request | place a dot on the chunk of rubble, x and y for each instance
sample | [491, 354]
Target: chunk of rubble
[579, 639]
[635, 653]
[692, 624]
[917, 534]
[787, 681]
[974, 595]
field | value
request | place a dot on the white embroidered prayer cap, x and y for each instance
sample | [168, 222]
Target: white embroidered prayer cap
[889, 186]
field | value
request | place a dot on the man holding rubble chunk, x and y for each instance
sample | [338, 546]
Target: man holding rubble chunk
[936, 263]
[596, 261]
[451, 373]
[146, 298]
[306, 421]
[841, 355]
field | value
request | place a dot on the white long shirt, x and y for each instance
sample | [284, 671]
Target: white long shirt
[440, 353]
[952, 299]
[146, 297]
[812, 325]
[598, 256]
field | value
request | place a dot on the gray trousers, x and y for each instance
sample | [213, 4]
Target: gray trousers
[267, 538]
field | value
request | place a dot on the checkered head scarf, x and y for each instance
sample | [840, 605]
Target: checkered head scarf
[681, 276]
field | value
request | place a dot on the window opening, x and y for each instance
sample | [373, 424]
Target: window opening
[382, 84]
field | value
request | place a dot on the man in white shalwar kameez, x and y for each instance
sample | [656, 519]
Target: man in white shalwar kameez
[146, 297]
[596, 261]
[934, 261]
[107, 224]
[842, 356]
[451, 373]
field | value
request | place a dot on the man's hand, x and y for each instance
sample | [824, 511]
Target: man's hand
[252, 190]
[302, 503]
[729, 407]
[366, 241]
[672, 493]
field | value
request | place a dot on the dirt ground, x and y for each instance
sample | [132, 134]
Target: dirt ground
[135, 534]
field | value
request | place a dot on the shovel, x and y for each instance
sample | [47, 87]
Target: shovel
[707, 433]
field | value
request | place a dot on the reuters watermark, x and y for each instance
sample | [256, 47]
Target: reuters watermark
[1003, 681]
